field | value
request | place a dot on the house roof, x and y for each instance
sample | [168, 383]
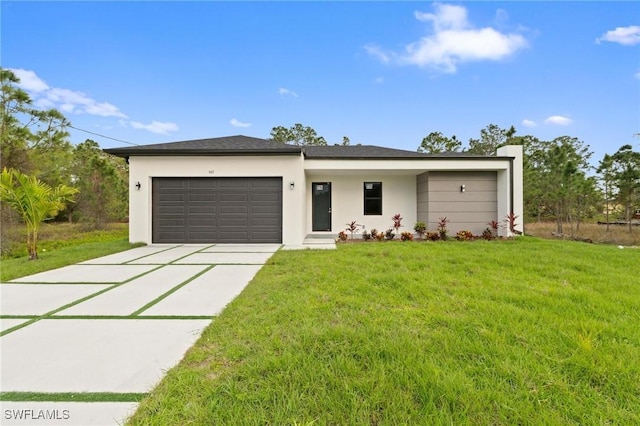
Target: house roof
[246, 145]
[375, 152]
[228, 145]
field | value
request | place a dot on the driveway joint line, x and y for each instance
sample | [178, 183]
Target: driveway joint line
[171, 291]
[75, 302]
[147, 255]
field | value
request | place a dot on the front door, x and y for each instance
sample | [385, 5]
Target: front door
[321, 206]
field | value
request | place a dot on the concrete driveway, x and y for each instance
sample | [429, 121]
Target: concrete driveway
[112, 325]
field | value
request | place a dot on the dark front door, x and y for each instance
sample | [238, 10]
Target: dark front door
[321, 205]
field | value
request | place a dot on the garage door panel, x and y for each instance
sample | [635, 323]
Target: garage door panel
[264, 184]
[235, 184]
[171, 209]
[171, 184]
[233, 198]
[226, 222]
[202, 198]
[169, 197]
[210, 210]
[264, 221]
[202, 210]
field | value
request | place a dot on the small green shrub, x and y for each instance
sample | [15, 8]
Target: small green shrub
[420, 228]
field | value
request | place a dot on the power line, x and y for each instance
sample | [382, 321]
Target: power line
[102, 136]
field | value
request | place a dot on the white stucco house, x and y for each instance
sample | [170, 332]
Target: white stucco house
[241, 189]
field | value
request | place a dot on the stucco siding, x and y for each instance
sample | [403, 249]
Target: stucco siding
[469, 210]
[347, 200]
[144, 168]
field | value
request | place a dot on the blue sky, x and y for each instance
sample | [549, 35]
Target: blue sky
[381, 73]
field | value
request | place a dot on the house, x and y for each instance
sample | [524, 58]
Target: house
[240, 189]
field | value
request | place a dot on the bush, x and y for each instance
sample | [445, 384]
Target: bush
[487, 234]
[380, 236]
[388, 234]
[365, 235]
[433, 236]
[406, 236]
[420, 228]
[464, 236]
[342, 236]
[442, 228]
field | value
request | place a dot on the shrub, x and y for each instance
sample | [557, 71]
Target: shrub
[342, 236]
[433, 236]
[494, 227]
[406, 236]
[388, 234]
[397, 221]
[464, 236]
[487, 234]
[420, 228]
[374, 232]
[511, 224]
[352, 227]
[442, 228]
[380, 236]
[365, 235]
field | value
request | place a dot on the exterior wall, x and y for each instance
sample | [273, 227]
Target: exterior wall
[422, 208]
[511, 183]
[347, 200]
[143, 168]
[469, 210]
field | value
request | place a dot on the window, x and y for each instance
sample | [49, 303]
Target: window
[373, 198]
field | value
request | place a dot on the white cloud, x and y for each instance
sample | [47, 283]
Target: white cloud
[156, 127]
[75, 102]
[528, 123]
[378, 52]
[68, 101]
[29, 81]
[637, 75]
[627, 36]
[453, 41]
[284, 91]
[237, 123]
[558, 120]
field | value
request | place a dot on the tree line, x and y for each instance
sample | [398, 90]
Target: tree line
[38, 160]
[560, 183]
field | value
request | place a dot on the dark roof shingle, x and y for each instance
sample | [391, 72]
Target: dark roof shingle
[228, 145]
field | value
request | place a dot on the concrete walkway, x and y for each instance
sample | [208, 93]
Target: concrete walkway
[112, 325]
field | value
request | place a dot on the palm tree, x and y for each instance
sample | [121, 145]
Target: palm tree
[34, 200]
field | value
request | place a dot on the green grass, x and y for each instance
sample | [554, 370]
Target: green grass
[64, 245]
[504, 332]
[74, 397]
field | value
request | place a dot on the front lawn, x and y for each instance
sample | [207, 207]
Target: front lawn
[526, 331]
[64, 244]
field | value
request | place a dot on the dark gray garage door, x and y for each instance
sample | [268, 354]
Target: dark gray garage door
[217, 210]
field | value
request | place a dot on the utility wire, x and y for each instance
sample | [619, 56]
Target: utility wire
[102, 136]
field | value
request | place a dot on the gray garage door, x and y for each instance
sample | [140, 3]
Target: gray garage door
[217, 210]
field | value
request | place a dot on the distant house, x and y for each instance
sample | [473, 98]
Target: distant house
[240, 189]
